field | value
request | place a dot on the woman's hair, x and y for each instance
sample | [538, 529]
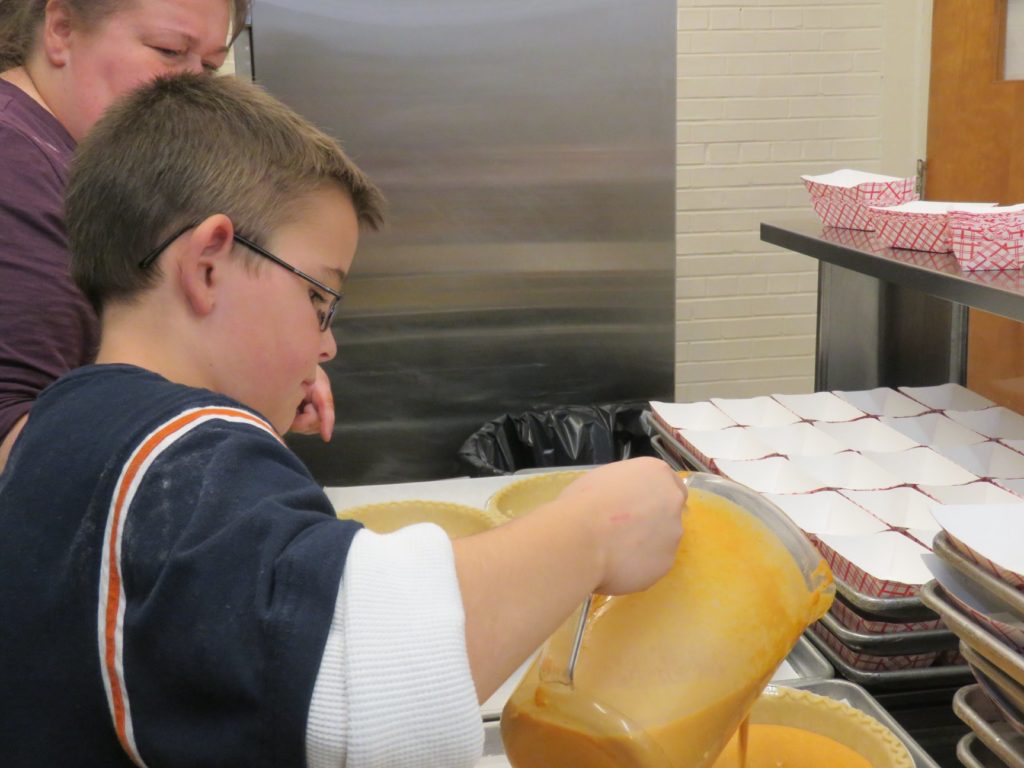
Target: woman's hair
[183, 148]
[20, 21]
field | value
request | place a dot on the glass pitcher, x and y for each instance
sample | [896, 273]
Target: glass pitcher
[665, 676]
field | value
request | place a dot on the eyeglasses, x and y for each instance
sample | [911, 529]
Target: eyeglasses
[325, 315]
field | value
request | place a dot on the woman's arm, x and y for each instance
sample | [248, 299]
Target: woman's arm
[8, 440]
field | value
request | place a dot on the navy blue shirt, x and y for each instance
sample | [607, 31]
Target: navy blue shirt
[168, 576]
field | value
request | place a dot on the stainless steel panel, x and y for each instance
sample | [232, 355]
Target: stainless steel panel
[873, 333]
[528, 152]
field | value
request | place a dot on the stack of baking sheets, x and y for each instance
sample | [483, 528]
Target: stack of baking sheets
[978, 590]
[860, 473]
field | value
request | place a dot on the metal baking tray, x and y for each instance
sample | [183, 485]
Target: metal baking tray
[972, 753]
[893, 643]
[565, 468]
[919, 611]
[672, 445]
[897, 680]
[998, 588]
[854, 695]
[804, 660]
[988, 645]
[898, 609]
[972, 706]
[494, 750]
[1011, 691]
[664, 453]
[858, 698]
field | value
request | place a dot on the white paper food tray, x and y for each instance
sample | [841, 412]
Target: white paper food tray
[982, 492]
[934, 430]
[884, 564]
[735, 444]
[700, 416]
[820, 406]
[920, 225]
[868, 435]
[755, 411]
[773, 475]
[922, 466]
[990, 535]
[997, 422]
[842, 198]
[797, 440]
[899, 508]
[826, 512]
[883, 401]
[948, 397]
[847, 471]
[989, 460]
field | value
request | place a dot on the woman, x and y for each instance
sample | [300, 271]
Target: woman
[62, 63]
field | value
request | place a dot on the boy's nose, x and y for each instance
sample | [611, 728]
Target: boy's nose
[328, 345]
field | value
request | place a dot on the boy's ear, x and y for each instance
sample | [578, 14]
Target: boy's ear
[201, 258]
[57, 28]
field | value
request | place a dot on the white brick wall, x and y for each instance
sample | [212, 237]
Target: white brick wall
[768, 91]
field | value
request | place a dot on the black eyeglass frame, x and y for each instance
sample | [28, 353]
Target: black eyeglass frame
[332, 306]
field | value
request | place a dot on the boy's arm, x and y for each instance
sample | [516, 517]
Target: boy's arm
[613, 531]
[420, 637]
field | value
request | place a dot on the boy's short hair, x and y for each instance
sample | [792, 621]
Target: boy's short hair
[181, 149]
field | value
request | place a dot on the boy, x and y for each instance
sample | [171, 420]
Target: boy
[175, 587]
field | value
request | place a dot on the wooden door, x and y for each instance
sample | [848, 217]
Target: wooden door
[976, 152]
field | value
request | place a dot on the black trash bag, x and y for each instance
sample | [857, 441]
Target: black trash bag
[570, 435]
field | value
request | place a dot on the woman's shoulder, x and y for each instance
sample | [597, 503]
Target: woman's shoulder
[28, 131]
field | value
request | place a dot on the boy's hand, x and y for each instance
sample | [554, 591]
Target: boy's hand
[634, 510]
[316, 413]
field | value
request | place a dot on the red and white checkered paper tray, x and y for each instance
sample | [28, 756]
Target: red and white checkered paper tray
[852, 620]
[699, 416]
[920, 225]
[886, 564]
[989, 240]
[985, 609]
[772, 475]
[733, 444]
[842, 198]
[990, 535]
[826, 512]
[868, 662]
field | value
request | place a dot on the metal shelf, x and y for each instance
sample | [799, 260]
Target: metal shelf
[936, 274]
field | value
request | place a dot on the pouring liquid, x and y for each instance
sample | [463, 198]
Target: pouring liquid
[666, 676]
[781, 746]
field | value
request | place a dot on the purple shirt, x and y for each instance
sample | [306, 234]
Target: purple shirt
[46, 325]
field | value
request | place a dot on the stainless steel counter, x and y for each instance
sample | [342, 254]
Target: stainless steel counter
[889, 317]
[937, 274]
